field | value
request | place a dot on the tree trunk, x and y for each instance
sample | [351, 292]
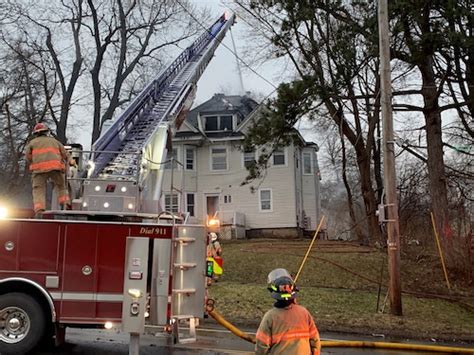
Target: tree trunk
[437, 178]
[363, 164]
[61, 127]
[96, 126]
[368, 194]
[361, 236]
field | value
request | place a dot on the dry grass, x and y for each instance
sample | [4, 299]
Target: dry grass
[338, 298]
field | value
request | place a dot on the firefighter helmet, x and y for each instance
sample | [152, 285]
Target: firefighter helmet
[281, 285]
[40, 127]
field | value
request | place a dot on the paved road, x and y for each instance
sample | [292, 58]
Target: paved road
[210, 341]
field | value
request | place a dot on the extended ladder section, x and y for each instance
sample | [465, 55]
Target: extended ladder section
[126, 171]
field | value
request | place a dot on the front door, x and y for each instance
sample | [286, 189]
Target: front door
[212, 205]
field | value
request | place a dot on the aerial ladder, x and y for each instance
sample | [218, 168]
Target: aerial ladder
[125, 172]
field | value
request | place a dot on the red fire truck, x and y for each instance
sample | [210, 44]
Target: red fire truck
[117, 258]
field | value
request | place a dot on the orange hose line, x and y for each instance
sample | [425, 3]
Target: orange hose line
[347, 343]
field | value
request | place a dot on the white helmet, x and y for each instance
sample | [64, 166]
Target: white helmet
[213, 236]
[281, 285]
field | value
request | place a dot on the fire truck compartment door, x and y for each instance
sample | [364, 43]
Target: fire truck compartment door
[79, 273]
[134, 285]
[160, 281]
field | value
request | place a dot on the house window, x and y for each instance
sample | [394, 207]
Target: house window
[190, 157]
[218, 123]
[211, 123]
[171, 203]
[172, 154]
[227, 199]
[218, 158]
[190, 204]
[307, 163]
[225, 123]
[279, 157]
[249, 159]
[265, 200]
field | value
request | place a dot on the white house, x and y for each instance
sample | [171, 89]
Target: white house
[210, 166]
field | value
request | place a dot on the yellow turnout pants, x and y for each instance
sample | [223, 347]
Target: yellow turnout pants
[39, 188]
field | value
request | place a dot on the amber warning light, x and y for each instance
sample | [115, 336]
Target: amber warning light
[3, 212]
[213, 222]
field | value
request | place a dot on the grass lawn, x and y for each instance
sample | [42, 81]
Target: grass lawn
[338, 285]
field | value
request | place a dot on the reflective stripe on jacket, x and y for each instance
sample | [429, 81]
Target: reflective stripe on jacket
[289, 330]
[45, 154]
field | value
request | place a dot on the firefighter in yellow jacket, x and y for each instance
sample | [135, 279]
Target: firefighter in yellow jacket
[287, 328]
[48, 160]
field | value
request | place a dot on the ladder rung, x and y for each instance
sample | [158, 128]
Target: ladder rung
[185, 265]
[182, 316]
[184, 290]
[185, 239]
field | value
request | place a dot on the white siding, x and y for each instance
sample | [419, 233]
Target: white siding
[288, 185]
[311, 203]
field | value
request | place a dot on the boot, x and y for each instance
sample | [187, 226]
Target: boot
[39, 214]
[65, 206]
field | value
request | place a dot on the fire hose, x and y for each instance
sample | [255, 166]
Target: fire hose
[340, 343]
[229, 326]
[336, 343]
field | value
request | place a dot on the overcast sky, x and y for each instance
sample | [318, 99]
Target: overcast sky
[222, 74]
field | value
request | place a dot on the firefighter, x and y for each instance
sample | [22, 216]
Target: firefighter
[214, 254]
[214, 248]
[48, 160]
[287, 328]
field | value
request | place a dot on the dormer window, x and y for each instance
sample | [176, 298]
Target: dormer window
[218, 123]
[226, 123]
[211, 123]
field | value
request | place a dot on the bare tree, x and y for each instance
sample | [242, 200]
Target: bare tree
[419, 41]
[24, 75]
[129, 36]
[458, 55]
[111, 39]
[50, 38]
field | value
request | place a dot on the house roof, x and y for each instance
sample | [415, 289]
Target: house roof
[220, 103]
[243, 106]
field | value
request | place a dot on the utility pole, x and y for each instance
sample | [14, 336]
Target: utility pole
[393, 233]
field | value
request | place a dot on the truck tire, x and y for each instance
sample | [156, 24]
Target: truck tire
[22, 323]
